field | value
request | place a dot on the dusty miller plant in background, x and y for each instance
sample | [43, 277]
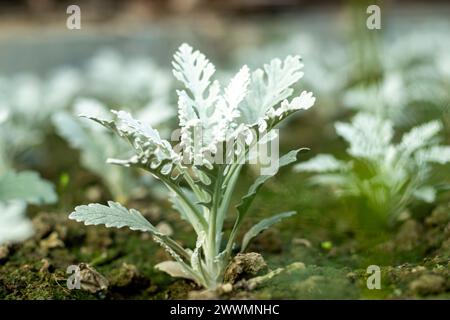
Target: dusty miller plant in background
[388, 176]
[17, 189]
[26, 105]
[139, 85]
[202, 190]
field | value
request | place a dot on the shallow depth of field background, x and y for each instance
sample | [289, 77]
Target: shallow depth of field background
[339, 53]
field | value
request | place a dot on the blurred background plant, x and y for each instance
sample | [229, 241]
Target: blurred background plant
[136, 85]
[386, 176]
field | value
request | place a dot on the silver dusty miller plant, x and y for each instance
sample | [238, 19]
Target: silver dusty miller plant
[244, 114]
[17, 189]
[388, 176]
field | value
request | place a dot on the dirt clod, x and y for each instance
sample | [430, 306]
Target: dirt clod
[409, 235]
[203, 295]
[128, 278]
[244, 265]
[439, 216]
[51, 242]
[428, 284]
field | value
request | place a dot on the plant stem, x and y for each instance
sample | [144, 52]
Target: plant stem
[212, 228]
[197, 215]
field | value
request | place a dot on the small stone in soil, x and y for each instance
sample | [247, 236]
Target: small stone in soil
[128, 278]
[244, 264]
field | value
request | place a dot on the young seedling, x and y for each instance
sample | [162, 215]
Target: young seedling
[218, 130]
[387, 176]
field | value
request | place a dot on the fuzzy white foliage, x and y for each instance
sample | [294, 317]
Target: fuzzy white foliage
[436, 154]
[27, 102]
[96, 145]
[25, 186]
[109, 78]
[387, 100]
[321, 163]
[217, 115]
[248, 101]
[204, 108]
[420, 136]
[129, 82]
[14, 225]
[394, 174]
[16, 190]
[368, 136]
[112, 215]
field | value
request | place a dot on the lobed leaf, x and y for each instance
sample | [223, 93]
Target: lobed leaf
[321, 163]
[269, 87]
[368, 136]
[420, 136]
[112, 215]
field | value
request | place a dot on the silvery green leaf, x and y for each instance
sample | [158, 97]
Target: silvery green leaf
[186, 211]
[112, 215]
[89, 107]
[269, 87]
[205, 114]
[368, 136]
[14, 225]
[263, 225]
[387, 99]
[303, 102]
[236, 90]
[150, 150]
[63, 85]
[95, 147]
[193, 69]
[120, 80]
[196, 262]
[436, 154]
[420, 136]
[26, 186]
[155, 113]
[321, 163]
[174, 269]
[332, 179]
[426, 193]
[70, 128]
[178, 204]
[226, 108]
